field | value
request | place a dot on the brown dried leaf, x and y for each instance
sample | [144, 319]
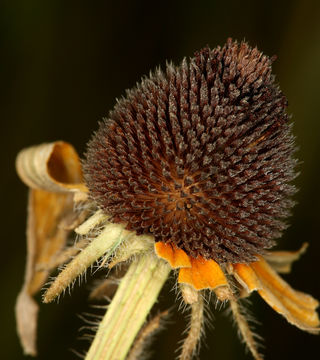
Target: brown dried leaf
[53, 172]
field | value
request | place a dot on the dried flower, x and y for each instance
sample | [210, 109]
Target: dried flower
[192, 170]
[200, 156]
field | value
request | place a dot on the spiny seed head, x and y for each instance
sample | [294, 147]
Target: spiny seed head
[200, 156]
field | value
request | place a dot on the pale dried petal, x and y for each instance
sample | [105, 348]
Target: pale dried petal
[27, 314]
[53, 167]
[45, 239]
[282, 261]
[53, 171]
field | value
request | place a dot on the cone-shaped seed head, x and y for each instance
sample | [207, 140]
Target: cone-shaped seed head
[200, 155]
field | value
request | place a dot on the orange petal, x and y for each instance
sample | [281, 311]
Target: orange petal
[203, 274]
[176, 257]
[246, 277]
[303, 318]
[298, 308]
[270, 278]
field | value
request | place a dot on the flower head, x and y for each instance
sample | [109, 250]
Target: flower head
[200, 156]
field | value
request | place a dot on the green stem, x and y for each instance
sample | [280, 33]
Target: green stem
[129, 308]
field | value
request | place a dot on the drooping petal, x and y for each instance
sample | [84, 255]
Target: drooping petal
[246, 277]
[176, 257]
[270, 278]
[298, 308]
[203, 274]
[53, 173]
[282, 261]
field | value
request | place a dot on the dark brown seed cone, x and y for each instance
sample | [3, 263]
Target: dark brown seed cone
[200, 156]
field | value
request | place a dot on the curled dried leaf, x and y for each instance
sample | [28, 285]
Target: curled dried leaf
[53, 172]
[53, 167]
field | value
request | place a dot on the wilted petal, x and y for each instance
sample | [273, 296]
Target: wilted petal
[53, 167]
[53, 172]
[27, 313]
[246, 277]
[298, 308]
[282, 261]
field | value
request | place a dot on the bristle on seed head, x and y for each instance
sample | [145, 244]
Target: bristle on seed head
[200, 155]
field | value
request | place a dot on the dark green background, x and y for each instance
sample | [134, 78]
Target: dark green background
[63, 63]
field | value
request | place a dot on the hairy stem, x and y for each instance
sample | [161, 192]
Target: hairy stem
[245, 331]
[129, 308]
[192, 340]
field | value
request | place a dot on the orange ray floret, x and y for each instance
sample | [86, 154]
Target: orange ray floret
[203, 274]
[246, 277]
[268, 276]
[298, 308]
[176, 257]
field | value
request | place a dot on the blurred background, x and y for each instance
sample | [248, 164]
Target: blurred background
[63, 64]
